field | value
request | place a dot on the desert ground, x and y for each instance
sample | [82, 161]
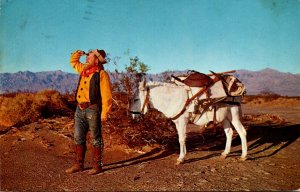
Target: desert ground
[34, 156]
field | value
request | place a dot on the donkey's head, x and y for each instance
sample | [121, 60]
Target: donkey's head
[140, 100]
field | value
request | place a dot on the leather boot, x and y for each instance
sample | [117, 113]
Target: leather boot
[97, 161]
[79, 159]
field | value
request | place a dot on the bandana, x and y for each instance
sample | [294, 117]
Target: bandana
[91, 70]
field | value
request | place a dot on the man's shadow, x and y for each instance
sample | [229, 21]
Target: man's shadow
[154, 154]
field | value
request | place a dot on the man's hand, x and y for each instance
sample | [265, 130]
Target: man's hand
[81, 52]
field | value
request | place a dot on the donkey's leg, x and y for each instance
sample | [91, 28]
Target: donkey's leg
[181, 130]
[228, 132]
[240, 129]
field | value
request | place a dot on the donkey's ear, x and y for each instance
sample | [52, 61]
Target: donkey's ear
[142, 84]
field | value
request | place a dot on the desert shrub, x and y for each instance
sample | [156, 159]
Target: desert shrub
[23, 108]
[18, 109]
[249, 98]
[269, 96]
[51, 103]
[121, 129]
[261, 98]
[154, 128]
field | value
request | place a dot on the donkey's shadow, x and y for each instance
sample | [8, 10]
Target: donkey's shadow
[266, 141]
[269, 140]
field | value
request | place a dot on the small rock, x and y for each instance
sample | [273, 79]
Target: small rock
[203, 181]
[196, 173]
[236, 178]
[147, 148]
[180, 184]
[14, 143]
[14, 129]
[264, 172]
[136, 178]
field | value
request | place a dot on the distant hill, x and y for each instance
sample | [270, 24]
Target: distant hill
[257, 82]
[32, 82]
[270, 81]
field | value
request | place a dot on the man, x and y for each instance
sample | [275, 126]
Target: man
[94, 99]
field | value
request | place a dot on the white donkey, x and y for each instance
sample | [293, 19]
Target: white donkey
[170, 99]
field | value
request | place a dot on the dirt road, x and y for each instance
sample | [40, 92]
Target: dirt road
[30, 163]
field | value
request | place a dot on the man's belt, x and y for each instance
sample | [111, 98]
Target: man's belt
[84, 105]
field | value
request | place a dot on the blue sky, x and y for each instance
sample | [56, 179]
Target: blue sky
[203, 35]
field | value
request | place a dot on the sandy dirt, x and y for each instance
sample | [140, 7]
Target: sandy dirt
[34, 157]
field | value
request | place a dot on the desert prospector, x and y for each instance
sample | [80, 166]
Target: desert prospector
[94, 97]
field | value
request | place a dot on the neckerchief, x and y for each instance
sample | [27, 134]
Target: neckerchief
[89, 71]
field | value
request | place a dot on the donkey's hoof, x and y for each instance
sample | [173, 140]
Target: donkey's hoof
[179, 161]
[223, 156]
[243, 158]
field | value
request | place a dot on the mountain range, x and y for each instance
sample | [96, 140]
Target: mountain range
[256, 82]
